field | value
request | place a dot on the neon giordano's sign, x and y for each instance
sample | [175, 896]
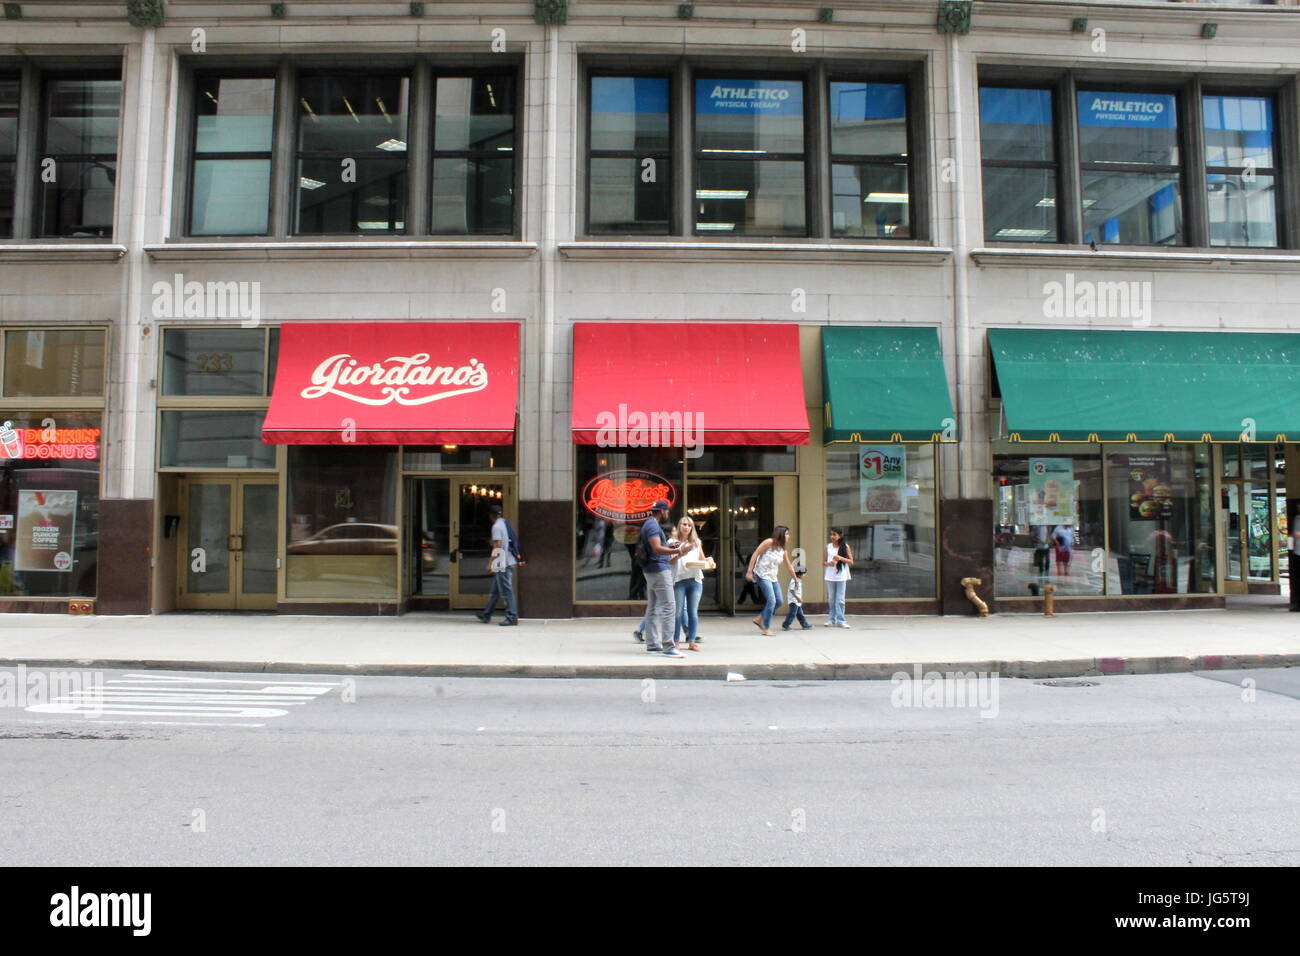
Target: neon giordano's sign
[394, 379]
[626, 495]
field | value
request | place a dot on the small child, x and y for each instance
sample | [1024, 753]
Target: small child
[794, 594]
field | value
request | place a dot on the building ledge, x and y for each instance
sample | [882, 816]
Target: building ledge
[688, 251]
[61, 252]
[269, 251]
[1174, 260]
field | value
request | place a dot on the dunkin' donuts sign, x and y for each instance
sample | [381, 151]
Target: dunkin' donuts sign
[626, 495]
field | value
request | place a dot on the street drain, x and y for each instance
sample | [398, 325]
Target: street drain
[1069, 682]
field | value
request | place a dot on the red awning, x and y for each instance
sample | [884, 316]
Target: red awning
[641, 380]
[395, 383]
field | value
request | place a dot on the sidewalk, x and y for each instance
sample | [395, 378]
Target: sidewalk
[457, 645]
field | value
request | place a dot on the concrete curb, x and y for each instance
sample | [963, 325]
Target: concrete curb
[1031, 670]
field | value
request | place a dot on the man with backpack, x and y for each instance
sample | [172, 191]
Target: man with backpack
[505, 556]
[654, 551]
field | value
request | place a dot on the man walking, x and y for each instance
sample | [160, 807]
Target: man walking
[661, 608]
[502, 565]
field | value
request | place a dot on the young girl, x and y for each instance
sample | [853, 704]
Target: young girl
[688, 583]
[839, 558]
[764, 565]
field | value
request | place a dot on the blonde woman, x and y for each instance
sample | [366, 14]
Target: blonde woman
[688, 583]
[764, 568]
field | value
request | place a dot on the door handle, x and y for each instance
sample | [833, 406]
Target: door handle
[235, 542]
[451, 557]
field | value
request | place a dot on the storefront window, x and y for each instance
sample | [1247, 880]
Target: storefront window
[1049, 519]
[1161, 519]
[227, 438]
[733, 459]
[749, 152]
[49, 503]
[233, 118]
[352, 154]
[871, 192]
[214, 362]
[48, 362]
[473, 155]
[630, 173]
[342, 514]
[615, 488]
[418, 458]
[1020, 173]
[883, 496]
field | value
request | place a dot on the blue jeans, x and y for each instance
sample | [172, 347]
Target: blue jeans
[796, 611]
[771, 592]
[687, 592]
[835, 595]
[503, 589]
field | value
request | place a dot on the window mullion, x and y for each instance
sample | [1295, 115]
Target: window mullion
[683, 144]
[419, 146]
[817, 154]
[1196, 227]
[1070, 189]
[284, 181]
[29, 128]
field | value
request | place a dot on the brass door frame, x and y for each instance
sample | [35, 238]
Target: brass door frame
[234, 598]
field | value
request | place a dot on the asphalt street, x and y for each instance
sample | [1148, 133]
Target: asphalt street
[164, 768]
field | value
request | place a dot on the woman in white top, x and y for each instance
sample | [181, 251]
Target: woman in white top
[688, 583]
[764, 566]
[839, 558]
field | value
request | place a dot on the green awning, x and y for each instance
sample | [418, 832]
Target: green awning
[1118, 385]
[885, 384]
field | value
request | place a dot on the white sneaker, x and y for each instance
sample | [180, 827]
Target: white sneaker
[828, 624]
[846, 624]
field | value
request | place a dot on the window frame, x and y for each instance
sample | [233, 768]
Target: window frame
[15, 77]
[193, 79]
[1277, 170]
[57, 401]
[857, 76]
[1055, 165]
[450, 70]
[45, 80]
[1188, 90]
[669, 153]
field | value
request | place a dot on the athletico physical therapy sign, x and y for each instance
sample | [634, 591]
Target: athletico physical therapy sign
[778, 97]
[1152, 110]
[395, 383]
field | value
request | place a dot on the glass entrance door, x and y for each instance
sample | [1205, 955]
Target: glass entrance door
[732, 516]
[229, 529]
[448, 538]
[1248, 517]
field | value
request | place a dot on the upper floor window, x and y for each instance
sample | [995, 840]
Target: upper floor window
[8, 151]
[630, 167]
[807, 153]
[749, 156]
[1020, 174]
[321, 152]
[78, 157]
[870, 188]
[1131, 173]
[1143, 166]
[230, 193]
[1241, 170]
[49, 363]
[59, 131]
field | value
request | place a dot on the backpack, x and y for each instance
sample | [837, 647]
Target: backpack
[513, 541]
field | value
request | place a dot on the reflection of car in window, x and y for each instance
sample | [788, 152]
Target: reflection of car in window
[360, 537]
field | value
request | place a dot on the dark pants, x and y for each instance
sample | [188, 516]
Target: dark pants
[796, 610]
[1293, 576]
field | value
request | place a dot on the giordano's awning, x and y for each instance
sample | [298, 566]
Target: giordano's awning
[395, 383]
[1121, 385]
[885, 384]
[719, 383]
